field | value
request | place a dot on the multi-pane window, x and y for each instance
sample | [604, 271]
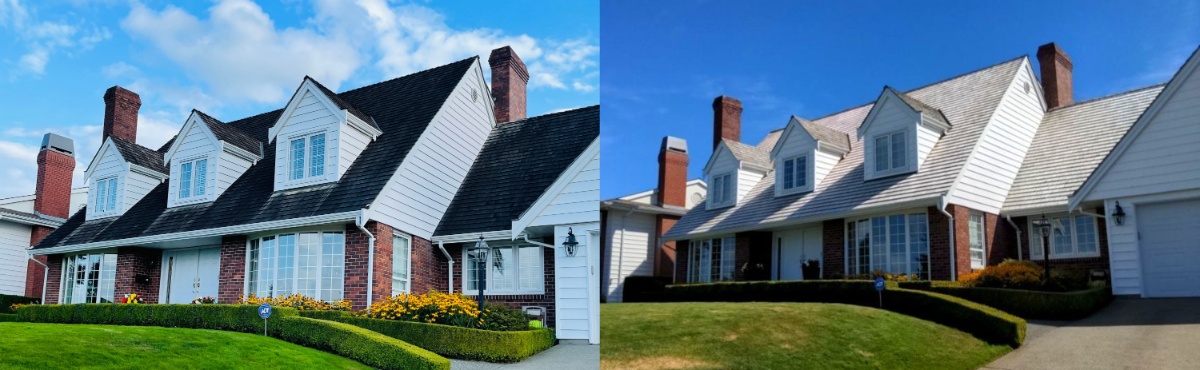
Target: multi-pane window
[795, 173]
[722, 189]
[193, 176]
[978, 244]
[310, 263]
[89, 278]
[401, 252]
[890, 151]
[516, 269]
[711, 260]
[1070, 237]
[106, 195]
[307, 157]
[897, 244]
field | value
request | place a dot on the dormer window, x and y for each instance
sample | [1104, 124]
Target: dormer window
[192, 177]
[318, 136]
[891, 152]
[106, 195]
[795, 173]
[312, 164]
[899, 132]
[722, 190]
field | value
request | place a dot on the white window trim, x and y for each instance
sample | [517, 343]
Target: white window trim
[307, 178]
[891, 170]
[296, 261]
[192, 197]
[731, 189]
[849, 241]
[809, 177]
[1035, 239]
[982, 230]
[103, 196]
[487, 290]
[694, 247]
[408, 280]
[62, 288]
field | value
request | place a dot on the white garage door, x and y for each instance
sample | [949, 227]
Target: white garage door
[1170, 244]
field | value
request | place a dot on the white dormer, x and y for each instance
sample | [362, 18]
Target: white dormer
[317, 137]
[805, 153]
[119, 176]
[732, 171]
[898, 133]
[206, 158]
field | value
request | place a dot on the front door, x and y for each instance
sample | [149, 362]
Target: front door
[191, 274]
[792, 249]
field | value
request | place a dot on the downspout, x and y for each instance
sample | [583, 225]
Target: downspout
[543, 245]
[953, 248]
[442, 246]
[1093, 214]
[361, 221]
[1018, 231]
[45, 276]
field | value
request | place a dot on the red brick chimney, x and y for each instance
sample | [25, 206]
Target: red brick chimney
[672, 172]
[1056, 75]
[121, 113]
[727, 119]
[509, 78]
[52, 197]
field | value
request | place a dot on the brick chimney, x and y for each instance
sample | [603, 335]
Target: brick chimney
[52, 197]
[509, 78]
[672, 172]
[727, 119]
[121, 113]
[1056, 75]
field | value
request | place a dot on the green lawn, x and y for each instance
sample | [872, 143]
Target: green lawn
[780, 336]
[55, 346]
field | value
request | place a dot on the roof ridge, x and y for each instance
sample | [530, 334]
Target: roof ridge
[1106, 97]
[410, 74]
[554, 114]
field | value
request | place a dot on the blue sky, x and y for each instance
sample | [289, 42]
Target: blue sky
[664, 64]
[236, 58]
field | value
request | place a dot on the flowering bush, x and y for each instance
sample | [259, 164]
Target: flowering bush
[14, 306]
[131, 298]
[1010, 274]
[433, 307]
[299, 302]
[204, 300]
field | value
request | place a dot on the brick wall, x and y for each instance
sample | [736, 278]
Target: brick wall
[833, 249]
[515, 301]
[120, 113]
[939, 244]
[135, 261]
[752, 256]
[54, 281]
[664, 256]
[509, 78]
[232, 281]
[358, 258]
[53, 191]
[682, 250]
[34, 272]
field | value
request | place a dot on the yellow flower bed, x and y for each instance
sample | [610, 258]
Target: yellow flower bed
[299, 302]
[433, 307]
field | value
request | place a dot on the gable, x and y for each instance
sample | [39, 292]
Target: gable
[794, 140]
[722, 160]
[573, 198]
[194, 138]
[107, 161]
[889, 113]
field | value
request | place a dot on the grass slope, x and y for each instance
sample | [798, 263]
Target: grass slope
[55, 346]
[780, 336]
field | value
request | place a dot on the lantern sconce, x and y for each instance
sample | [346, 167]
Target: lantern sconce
[1118, 214]
[570, 244]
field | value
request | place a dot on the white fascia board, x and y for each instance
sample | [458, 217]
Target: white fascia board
[220, 231]
[241, 153]
[555, 188]
[193, 121]
[148, 172]
[87, 173]
[1036, 210]
[360, 125]
[34, 221]
[790, 222]
[294, 102]
[471, 237]
[721, 147]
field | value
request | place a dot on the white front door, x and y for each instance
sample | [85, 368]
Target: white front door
[792, 249]
[190, 274]
[1170, 253]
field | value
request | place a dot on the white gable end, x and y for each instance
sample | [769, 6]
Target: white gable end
[573, 198]
[889, 116]
[195, 144]
[132, 183]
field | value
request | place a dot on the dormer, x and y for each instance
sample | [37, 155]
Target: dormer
[206, 157]
[318, 136]
[898, 133]
[732, 170]
[119, 176]
[805, 152]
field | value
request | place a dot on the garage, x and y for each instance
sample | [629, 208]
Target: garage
[1170, 248]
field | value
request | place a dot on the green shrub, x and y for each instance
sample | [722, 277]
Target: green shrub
[1035, 305]
[643, 288]
[362, 345]
[8, 317]
[456, 342]
[6, 302]
[499, 317]
[984, 322]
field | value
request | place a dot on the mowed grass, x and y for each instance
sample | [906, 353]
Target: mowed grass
[639, 336]
[57, 346]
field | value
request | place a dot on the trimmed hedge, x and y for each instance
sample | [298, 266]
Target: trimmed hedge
[452, 341]
[372, 349]
[8, 317]
[1034, 305]
[6, 302]
[644, 288]
[986, 323]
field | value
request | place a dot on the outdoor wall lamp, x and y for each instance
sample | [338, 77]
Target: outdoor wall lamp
[570, 244]
[1118, 214]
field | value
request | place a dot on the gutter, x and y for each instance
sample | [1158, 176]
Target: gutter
[921, 202]
[442, 246]
[1018, 231]
[1093, 214]
[543, 245]
[361, 221]
[953, 248]
[45, 276]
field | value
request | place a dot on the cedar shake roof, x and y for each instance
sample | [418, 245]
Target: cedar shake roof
[518, 162]
[749, 154]
[833, 138]
[919, 106]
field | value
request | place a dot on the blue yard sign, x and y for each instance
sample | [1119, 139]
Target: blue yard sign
[264, 311]
[879, 285]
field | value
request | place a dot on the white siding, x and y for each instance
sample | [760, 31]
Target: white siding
[197, 143]
[985, 180]
[25, 203]
[746, 179]
[1123, 243]
[135, 186]
[14, 238]
[892, 115]
[312, 115]
[926, 139]
[631, 250]
[352, 144]
[796, 142]
[110, 164]
[571, 278]
[823, 162]
[416, 197]
[578, 202]
[229, 168]
[724, 163]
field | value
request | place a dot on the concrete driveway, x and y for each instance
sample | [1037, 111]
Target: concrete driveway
[1128, 334]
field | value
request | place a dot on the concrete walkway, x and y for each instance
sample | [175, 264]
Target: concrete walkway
[1128, 334]
[562, 356]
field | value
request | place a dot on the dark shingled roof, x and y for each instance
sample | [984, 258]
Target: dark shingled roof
[231, 134]
[342, 103]
[519, 161]
[403, 106]
[140, 155]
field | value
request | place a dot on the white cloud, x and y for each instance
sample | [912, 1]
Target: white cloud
[45, 38]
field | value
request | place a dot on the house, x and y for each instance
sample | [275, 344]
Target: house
[335, 196]
[25, 220]
[634, 224]
[940, 181]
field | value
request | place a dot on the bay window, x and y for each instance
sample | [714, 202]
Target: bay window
[512, 269]
[88, 278]
[895, 244]
[711, 260]
[1070, 237]
[308, 263]
[401, 263]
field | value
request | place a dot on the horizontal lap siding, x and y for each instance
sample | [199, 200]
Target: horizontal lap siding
[893, 116]
[110, 164]
[14, 238]
[352, 142]
[578, 202]
[136, 186]
[195, 145]
[632, 237]
[823, 163]
[310, 116]
[571, 283]
[230, 167]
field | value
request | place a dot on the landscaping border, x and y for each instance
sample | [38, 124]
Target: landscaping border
[1031, 304]
[7, 300]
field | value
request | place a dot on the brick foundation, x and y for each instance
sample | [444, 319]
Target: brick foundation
[233, 269]
[515, 301]
[132, 262]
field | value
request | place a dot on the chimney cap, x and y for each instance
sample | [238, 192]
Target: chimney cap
[58, 143]
[1053, 50]
[726, 99]
[671, 143]
[506, 56]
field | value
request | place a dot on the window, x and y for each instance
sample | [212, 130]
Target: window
[515, 269]
[310, 263]
[711, 260]
[313, 162]
[106, 195]
[978, 244]
[193, 176]
[722, 189]
[88, 278]
[1070, 237]
[795, 173]
[891, 152]
[897, 244]
[401, 250]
